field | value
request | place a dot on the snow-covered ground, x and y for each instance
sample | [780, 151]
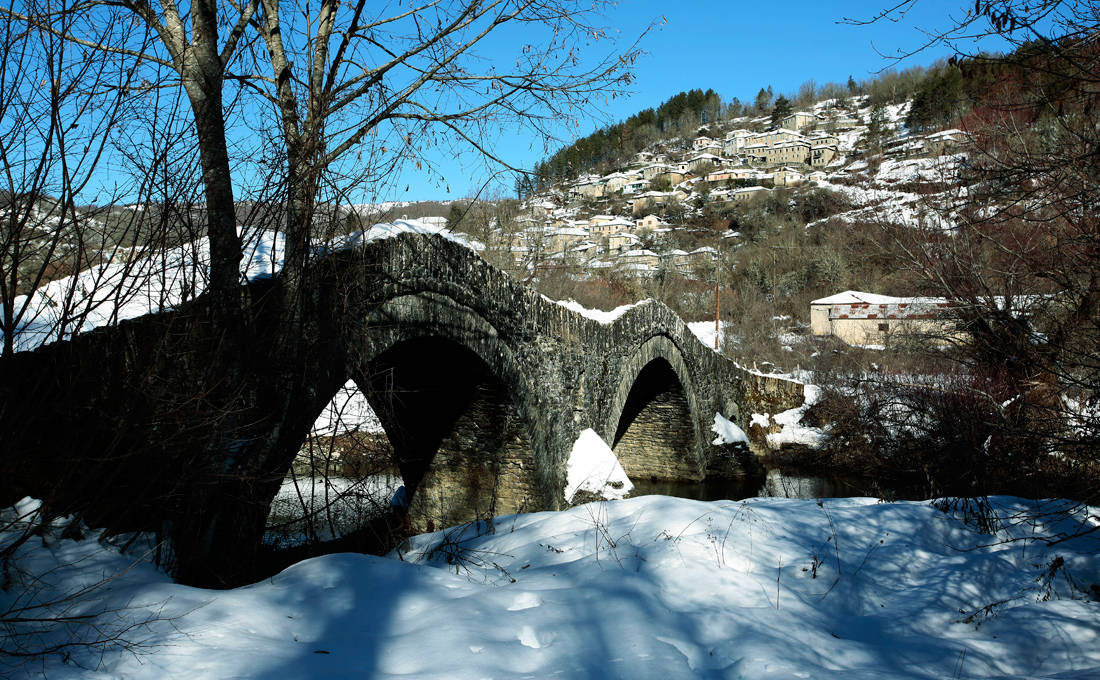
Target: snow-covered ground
[793, 431]
[652, 587]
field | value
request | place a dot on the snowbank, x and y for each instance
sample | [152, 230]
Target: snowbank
[704, 330]
[794, 432]
[593, 467]
[728, 432]
[650, 587]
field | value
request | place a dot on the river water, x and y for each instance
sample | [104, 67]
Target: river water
[776, 483]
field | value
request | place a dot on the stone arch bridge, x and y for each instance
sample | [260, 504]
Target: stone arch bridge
[481, 384]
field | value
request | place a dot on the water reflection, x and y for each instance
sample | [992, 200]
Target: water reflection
[775, 482]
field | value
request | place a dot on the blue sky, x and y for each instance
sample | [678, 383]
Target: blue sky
[734, 48]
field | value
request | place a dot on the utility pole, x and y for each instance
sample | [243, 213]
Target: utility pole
[717, 293]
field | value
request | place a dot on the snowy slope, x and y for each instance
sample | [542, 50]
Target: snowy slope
[113, 292]
[652, 587]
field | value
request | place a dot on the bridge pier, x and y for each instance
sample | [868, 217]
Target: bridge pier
[458, 440]
[655, 437]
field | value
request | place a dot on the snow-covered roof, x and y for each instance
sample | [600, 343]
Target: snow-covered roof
[850, 297]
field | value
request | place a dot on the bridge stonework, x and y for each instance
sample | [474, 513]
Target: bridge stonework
[481, 384]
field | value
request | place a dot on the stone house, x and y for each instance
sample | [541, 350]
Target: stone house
[639, 261]
[645, 202]
[735, 141]
[782, 153]
[590, 188]
[746, 193]
[647, 222]
[655, 169]
[786, 176]
[673, 177]
[822, 156]
[859, 318]
[775, 137]
[704, 254]
[606, 227]
[721, 175]
[695, 163]
[621, 241]
[705, 145]
[823, 149]
[558, 240]
[617, 180]
[823, 139]
[542, 209]
[676, 259]
[800, 120]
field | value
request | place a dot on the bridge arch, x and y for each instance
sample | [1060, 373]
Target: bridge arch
[458, 408]
[653, 424]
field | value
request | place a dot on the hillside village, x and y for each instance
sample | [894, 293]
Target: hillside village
[666, 211]
[621, 220]
[682, 209]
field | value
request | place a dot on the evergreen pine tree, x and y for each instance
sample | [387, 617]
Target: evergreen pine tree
[781, 110]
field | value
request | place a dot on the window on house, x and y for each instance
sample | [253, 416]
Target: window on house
[884, 327]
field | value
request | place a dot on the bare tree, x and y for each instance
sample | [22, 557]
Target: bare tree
[52, 136]
[1015, 251]
[295, 108]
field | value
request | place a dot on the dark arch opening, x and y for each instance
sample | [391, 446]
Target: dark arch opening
[461, 446]
[655, 437]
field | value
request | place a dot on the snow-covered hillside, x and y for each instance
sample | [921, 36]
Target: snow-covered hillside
[116, 291]
[652, 587]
